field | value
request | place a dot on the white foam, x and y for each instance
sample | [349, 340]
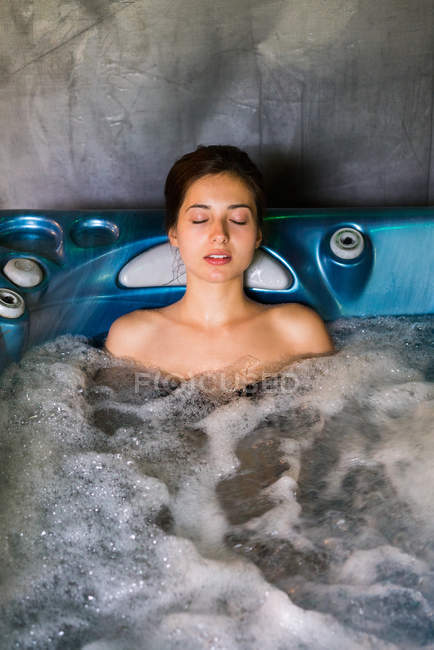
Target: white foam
[116, 533]
[363, 566]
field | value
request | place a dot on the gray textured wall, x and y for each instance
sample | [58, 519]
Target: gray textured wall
[332, 98]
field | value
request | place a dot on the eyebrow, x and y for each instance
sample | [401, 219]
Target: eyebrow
[230, 207]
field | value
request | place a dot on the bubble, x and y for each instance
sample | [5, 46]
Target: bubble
[142, 513]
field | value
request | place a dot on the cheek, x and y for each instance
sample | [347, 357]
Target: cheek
[187, 248]
[248, 239]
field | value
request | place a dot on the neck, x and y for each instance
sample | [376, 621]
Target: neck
[215, 305]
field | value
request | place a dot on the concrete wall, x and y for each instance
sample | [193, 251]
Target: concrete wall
[332, 98]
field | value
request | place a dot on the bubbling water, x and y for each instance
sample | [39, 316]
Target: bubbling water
[144, 514]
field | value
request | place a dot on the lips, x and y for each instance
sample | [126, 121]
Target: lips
[220, 251]
[218, 260]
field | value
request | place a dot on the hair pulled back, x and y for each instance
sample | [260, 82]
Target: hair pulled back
[211, 159]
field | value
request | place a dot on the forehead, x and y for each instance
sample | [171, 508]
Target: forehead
[219, 188]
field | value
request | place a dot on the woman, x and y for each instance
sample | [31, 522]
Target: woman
[215, 202]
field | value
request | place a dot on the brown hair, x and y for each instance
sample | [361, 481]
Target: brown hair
[211, 159]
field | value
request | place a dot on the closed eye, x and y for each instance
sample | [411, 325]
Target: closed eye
[240, 223]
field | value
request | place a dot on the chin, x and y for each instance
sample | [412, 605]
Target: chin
[216, 277]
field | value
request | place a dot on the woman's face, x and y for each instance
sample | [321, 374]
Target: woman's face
[218, 213]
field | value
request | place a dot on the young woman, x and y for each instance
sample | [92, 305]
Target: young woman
[215, 202]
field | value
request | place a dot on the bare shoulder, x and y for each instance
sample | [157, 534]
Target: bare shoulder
[128, 330]
[302, 329]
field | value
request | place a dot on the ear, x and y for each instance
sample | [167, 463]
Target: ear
[258, 237]
[172, 236]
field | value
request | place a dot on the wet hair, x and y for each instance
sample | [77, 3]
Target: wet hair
[211, 159]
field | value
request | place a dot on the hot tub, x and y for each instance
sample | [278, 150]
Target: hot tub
[139, 513]
[91, 267]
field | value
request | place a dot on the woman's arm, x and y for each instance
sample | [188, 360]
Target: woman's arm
[303, 331]
[129, 335]
[117, 337]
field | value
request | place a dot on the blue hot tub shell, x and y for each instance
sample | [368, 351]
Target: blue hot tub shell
[82, 252]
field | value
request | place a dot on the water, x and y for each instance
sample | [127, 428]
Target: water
[153, 515]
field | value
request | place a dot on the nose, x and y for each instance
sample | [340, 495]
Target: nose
[219, 232]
